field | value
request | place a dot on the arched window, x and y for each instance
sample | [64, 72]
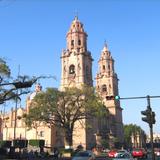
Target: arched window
[108, 67]
[104, 67]
[72, 42]
[104, 88]
[72, 69]
[79, 42]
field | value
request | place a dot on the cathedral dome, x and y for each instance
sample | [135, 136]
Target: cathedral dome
[38, 88]
[76, 26]
[105, 54]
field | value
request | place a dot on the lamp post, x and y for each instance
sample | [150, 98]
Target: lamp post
[15, 117]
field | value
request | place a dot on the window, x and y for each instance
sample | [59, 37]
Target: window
[72, 42]
[79, 42]
[104, 67]
[41, 133]
[108, 67]
[104, 88]
[72, 69]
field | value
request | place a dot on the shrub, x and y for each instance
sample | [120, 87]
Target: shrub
[37, 142]
[20, 143]
[5, 144]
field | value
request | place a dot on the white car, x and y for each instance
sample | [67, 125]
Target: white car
[123, 156]
[84, 155]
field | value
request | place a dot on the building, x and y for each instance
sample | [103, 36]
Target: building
[107, 87]
[76, 71]
[14, 126]
[138, 139]
[156, 140]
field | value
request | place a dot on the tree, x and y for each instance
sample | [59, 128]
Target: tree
[9, 86]
[131, 130]
[64, 108]
[4, 79]
[8, 90]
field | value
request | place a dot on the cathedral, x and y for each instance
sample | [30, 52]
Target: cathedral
[76, 70]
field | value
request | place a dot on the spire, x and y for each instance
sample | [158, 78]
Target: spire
[76, 18]
[105, 43]
[105, 48]
[76, 15]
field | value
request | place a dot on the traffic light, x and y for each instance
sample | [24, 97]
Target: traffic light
[112, 98]
[153, 120]
[147, 114]
[117, 97]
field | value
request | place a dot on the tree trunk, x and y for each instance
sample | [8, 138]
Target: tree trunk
[68, 139]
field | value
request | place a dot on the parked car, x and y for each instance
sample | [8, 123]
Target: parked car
[84, 155]
[123, 156]
[112, 153]
[139, 153]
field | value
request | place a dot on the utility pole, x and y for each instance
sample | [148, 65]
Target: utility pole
[15, 112]
[151, 126]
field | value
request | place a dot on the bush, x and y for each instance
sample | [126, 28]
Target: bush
[37, 142]
[20, 143]
[64, 151]
[3, 151]
[5, 144]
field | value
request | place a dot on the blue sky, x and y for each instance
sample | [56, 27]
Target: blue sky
[33, 34]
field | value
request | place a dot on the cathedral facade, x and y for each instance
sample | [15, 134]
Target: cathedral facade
[77, 70]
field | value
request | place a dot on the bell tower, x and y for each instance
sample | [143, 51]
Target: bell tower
[76, 59]
[107, 87]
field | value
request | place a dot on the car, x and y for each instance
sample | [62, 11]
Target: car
[123, 156]
[139, 153]
[84, 155]
[157, 152]
[112, 153]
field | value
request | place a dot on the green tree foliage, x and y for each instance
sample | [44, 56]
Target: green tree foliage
[129, 130]
[64, 108]
[4, 71]
[4, 78]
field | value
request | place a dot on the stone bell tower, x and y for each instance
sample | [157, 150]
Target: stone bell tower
[77, 71]
[76, 59]
[107, 87]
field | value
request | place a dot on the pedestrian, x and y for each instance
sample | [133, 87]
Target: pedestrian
[56, 153]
